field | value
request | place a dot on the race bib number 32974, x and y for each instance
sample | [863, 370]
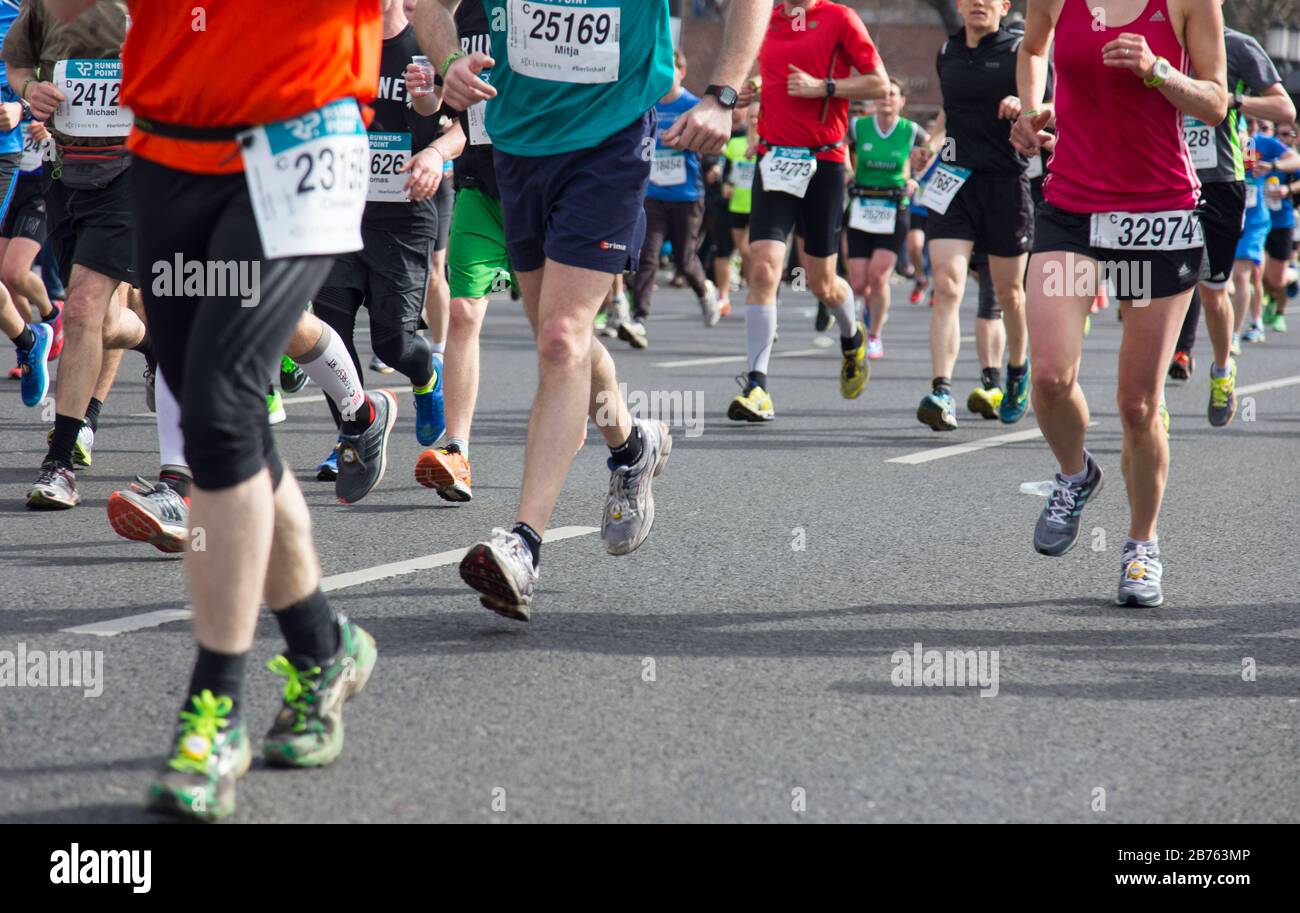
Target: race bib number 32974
[92, 92]
[308, 177]
[1177, 229]
[565, 41]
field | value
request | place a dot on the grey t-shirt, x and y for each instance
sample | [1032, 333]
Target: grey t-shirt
[1250, 72]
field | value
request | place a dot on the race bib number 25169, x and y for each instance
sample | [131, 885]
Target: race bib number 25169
[565, 42]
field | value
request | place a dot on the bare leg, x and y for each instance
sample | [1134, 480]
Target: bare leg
[1055, 325]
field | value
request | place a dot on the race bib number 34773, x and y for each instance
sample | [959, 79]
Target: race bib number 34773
[565, 41]
[1177, 229]
[92, 90]
[308, 177]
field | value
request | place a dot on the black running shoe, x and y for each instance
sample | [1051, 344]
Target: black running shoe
[364, 457]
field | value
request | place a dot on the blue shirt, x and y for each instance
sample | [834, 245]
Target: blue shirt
[680, 171]
[1270, 149]
[11, 141]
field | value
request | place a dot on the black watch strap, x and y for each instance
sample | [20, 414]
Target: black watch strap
[726, 95]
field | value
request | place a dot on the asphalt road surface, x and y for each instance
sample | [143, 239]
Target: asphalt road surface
[742, 664]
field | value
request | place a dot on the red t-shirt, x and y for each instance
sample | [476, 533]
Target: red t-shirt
[809, 40]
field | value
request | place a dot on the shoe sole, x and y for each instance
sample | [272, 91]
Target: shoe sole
[383, 450]
[741, 413]
[327, 475]
[1012, 419]
[635, 341]
[1101, 482]
[45, 371]
[166, 802]
[626, 548]
[432, 474]
[39, 499]
[496, 588]
[981, 407]
[1133, 602]
[934, 418]
[130, 521]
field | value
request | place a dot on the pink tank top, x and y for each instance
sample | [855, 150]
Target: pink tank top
[1119, 144]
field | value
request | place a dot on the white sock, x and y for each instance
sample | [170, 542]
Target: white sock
[330, 368]
[760, 328]
[1081, 474]
[1131, 545]
[844, 316]
[171, 445]
[437, 347]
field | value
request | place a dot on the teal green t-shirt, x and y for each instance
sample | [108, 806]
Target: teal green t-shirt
[569, 74]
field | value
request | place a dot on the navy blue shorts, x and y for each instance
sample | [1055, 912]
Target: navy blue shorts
[583, 208]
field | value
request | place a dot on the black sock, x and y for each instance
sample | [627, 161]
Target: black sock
[145, 347]
[756, 379]
[310, 630]
[628, 452]
[1014, 371]
[220, 673]
[851, 343]
[531, 539]
[177, 481]
[26, 339]
[941, 383]
[55, 311]
[359, 423]
[991, 377]
[64, 439]
[92, 414]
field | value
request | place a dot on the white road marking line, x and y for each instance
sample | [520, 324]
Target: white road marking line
[727, 359]
[334, 582]
[1269, 385]
[996, 440]
[314, 397]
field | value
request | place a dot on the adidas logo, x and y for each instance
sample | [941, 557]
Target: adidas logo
[1158, 17]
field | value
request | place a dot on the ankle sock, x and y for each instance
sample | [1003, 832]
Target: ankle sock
[531, 539]
[628, 452]
[310, 629]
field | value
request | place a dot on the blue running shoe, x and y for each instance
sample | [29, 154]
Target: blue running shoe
[327, 470]
[1015, 403]
[31, 362]
[936, 410]
[430, 416]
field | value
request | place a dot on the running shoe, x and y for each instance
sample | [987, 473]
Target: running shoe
[1164, 414]
[936, 410]
[55, 489]
[752, 405]
[1254, 333]
[630, 504]
[823, 319]
[709, 306]
[633, 332]
[275, 413]
[1182, 367]
[83, 451]
[1278, 324]
[602, 320]
[446, 471]
[1058, 525]
[1139, 577]
[1015, 403]
[364, 457]
[150, 375]
[430, 412]
[1087, 325]
[212, 752]
[292, 377]
[56, 348]
[724, 307]
[985, 401]
[308, 730]
[377, 365]
[502, 572]
[1235, 346]
[875, 348]
[918, 290]
[1270, 311]
[152, 512]
[32, 362]
[1223, 396]
[16, 372]
[854, 372]
[327, 470]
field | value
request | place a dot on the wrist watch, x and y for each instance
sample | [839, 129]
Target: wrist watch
[830, 87]
[1159, 74]
[725, 95]
[1237, 101]
[27, 107]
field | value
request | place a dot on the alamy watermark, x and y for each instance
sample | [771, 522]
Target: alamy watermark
[946, 669]
[675, 408]
[24, 668]
[181, 278]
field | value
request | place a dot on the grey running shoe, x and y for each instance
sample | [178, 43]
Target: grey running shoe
[633, 332]
[1058, 524]
[709, 305]
[502, 572]
[364, 457]
[1139, 577]
[630, 506]
[150, 385]
[55, 489]
[377, 365]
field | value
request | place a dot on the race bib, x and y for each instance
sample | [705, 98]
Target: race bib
[1035, 169]
[1200, 143]
[788, 169]
[668, 168]
[34, 153]
[1252, 196]
[942, 186]
[563, 42]
[477, 117]
[307, 180]
[388, 153]
[742, 175]
[874, 216]
[92, 90]
[1176, 229]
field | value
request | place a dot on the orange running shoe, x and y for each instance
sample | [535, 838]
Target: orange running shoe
[446, 472]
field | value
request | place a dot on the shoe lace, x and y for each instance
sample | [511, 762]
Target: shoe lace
[148, 374]
[206, 720]
[299, 688]
[622, 492]
[1141, 556]
[512, 544]
[1061, 505]
[1220, 389]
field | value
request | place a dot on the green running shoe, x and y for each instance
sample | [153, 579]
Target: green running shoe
[1278, 324]
[308, 732]
[83, 452]
[292, 377]
[212, 751]
[275, 407]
